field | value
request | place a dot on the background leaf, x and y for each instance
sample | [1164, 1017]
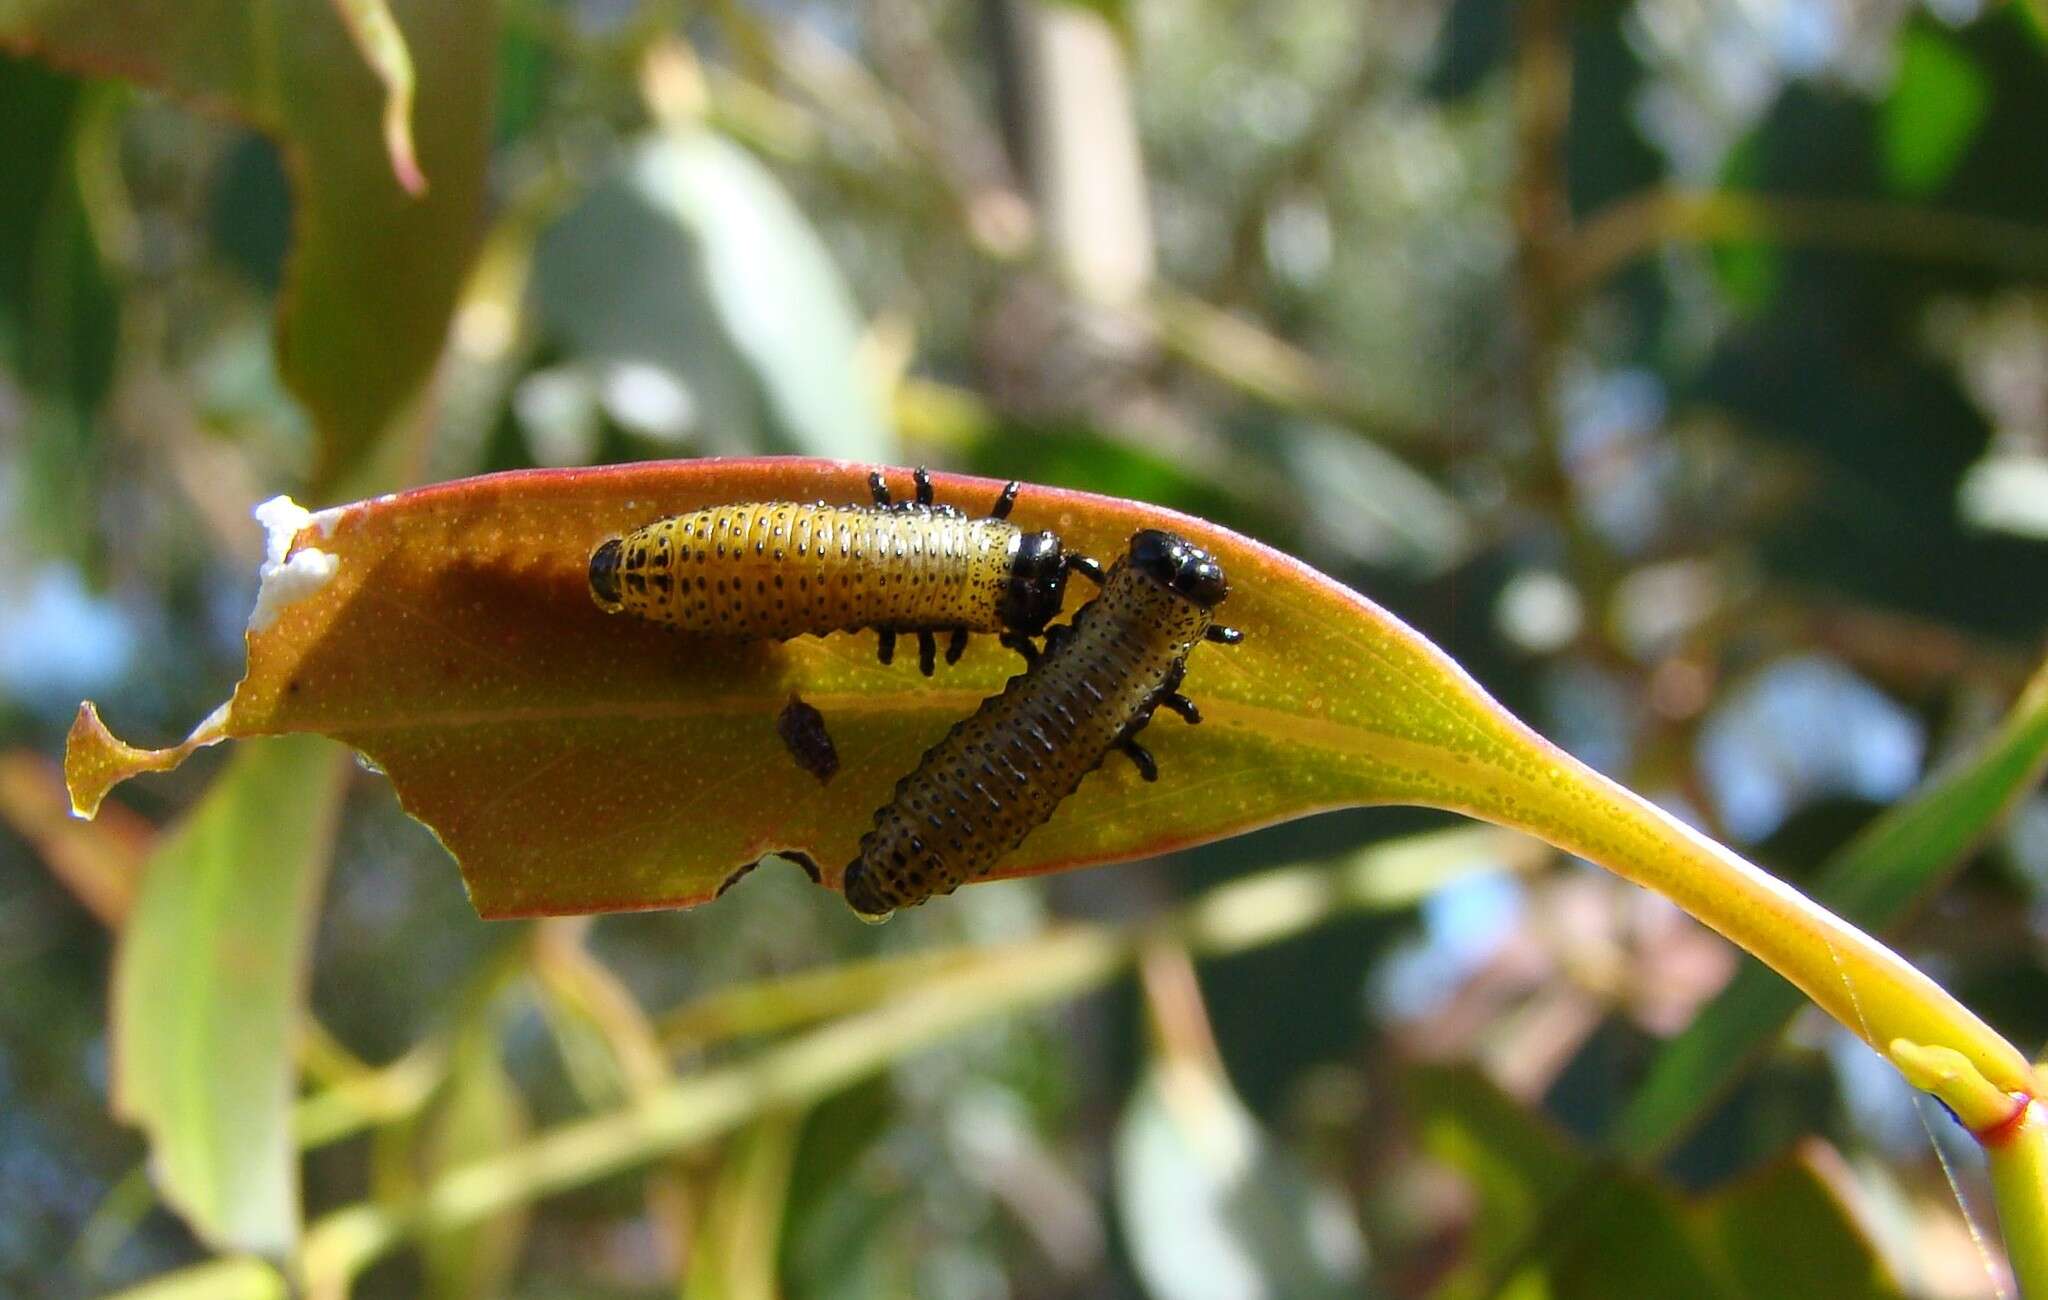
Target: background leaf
[1787, 1232]
[224, 1279]
[374, 271]
[690, 257]
[478, 1114]
[1516, 1166]
[208, 984]
[1933, 112]
[58, 314]
[1552, 1219]
[1211, 1208]
[741, 1243]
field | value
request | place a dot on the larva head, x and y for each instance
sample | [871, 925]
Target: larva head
[1037, 585]
[1180, 566]
[604, 575]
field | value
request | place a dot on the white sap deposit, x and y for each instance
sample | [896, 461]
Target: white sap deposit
[284, 580]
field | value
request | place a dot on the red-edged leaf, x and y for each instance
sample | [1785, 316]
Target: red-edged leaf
[578, 761]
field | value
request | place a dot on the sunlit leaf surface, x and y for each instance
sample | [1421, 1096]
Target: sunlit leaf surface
[374, 269]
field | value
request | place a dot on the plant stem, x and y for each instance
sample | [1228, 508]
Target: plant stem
[2019, 1184]
[1854, 978]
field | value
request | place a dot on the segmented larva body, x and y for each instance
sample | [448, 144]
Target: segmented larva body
[1001, 773]
[781, 569]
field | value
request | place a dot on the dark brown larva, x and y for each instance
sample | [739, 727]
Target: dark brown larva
[778, 569]
[1002, 772]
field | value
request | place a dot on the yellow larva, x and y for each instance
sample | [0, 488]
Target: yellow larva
[779, 569]
[1001, 773]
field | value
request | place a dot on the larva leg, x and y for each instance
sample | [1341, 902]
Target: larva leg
[927, 653]
[878, 487]
[1005, 501]
[1140, 757]
[924, 485]
[957, 646]
[1222, 635]
[1182, 705]
[1022, 645]
[885, 648]
[1087, 568]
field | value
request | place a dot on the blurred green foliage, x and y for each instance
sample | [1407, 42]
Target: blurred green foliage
[1339, 303]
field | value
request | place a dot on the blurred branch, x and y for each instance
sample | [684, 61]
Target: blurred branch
[99, 862]
[793, 1001]
[378, 1095]
[742, 1234]
[582, 988]
[1901, 651]
[1286, 168]
[949, 127]
[921, 138]
[1072, 87]
[709, 1105]
[1541, 209]
[1245, 356]
[1633, 227]
[1179, 1017]
[1062, 964]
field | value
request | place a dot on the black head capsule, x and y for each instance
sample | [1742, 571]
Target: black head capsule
[604, 575]
[867, 901]
[1037, 585]
[1180, 566]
